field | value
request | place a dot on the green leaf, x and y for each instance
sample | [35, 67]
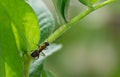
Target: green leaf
[24, 23]
[12, 65]
[46, 20]
[22, 32]
[94, 1]
[88, 3]
[62, 8]
[36, 68]
[44, 74]
[2, 66]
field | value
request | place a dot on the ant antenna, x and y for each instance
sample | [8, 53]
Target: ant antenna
[36, 45]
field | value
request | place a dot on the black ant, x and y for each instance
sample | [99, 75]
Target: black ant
[39, 50]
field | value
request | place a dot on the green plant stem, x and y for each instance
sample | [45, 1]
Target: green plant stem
[27, 62]
[76, 19]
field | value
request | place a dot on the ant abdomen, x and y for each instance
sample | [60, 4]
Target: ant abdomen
[35, 53]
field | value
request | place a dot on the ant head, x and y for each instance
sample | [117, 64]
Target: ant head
[46, 43]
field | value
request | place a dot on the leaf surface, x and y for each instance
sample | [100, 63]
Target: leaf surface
[19, 30]
[10, 58]
[2, 66]
[25, 23]
[62, 9]
[46, 20]
[88, 3]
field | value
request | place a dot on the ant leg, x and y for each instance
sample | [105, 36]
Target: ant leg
[36, 57]
[46, 48]
[43, 54]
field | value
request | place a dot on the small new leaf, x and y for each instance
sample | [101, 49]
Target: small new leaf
[62, 8]
[88, 3]
[46, 20]
[94, 1]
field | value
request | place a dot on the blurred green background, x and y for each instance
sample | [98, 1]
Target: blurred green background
[91, 48]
